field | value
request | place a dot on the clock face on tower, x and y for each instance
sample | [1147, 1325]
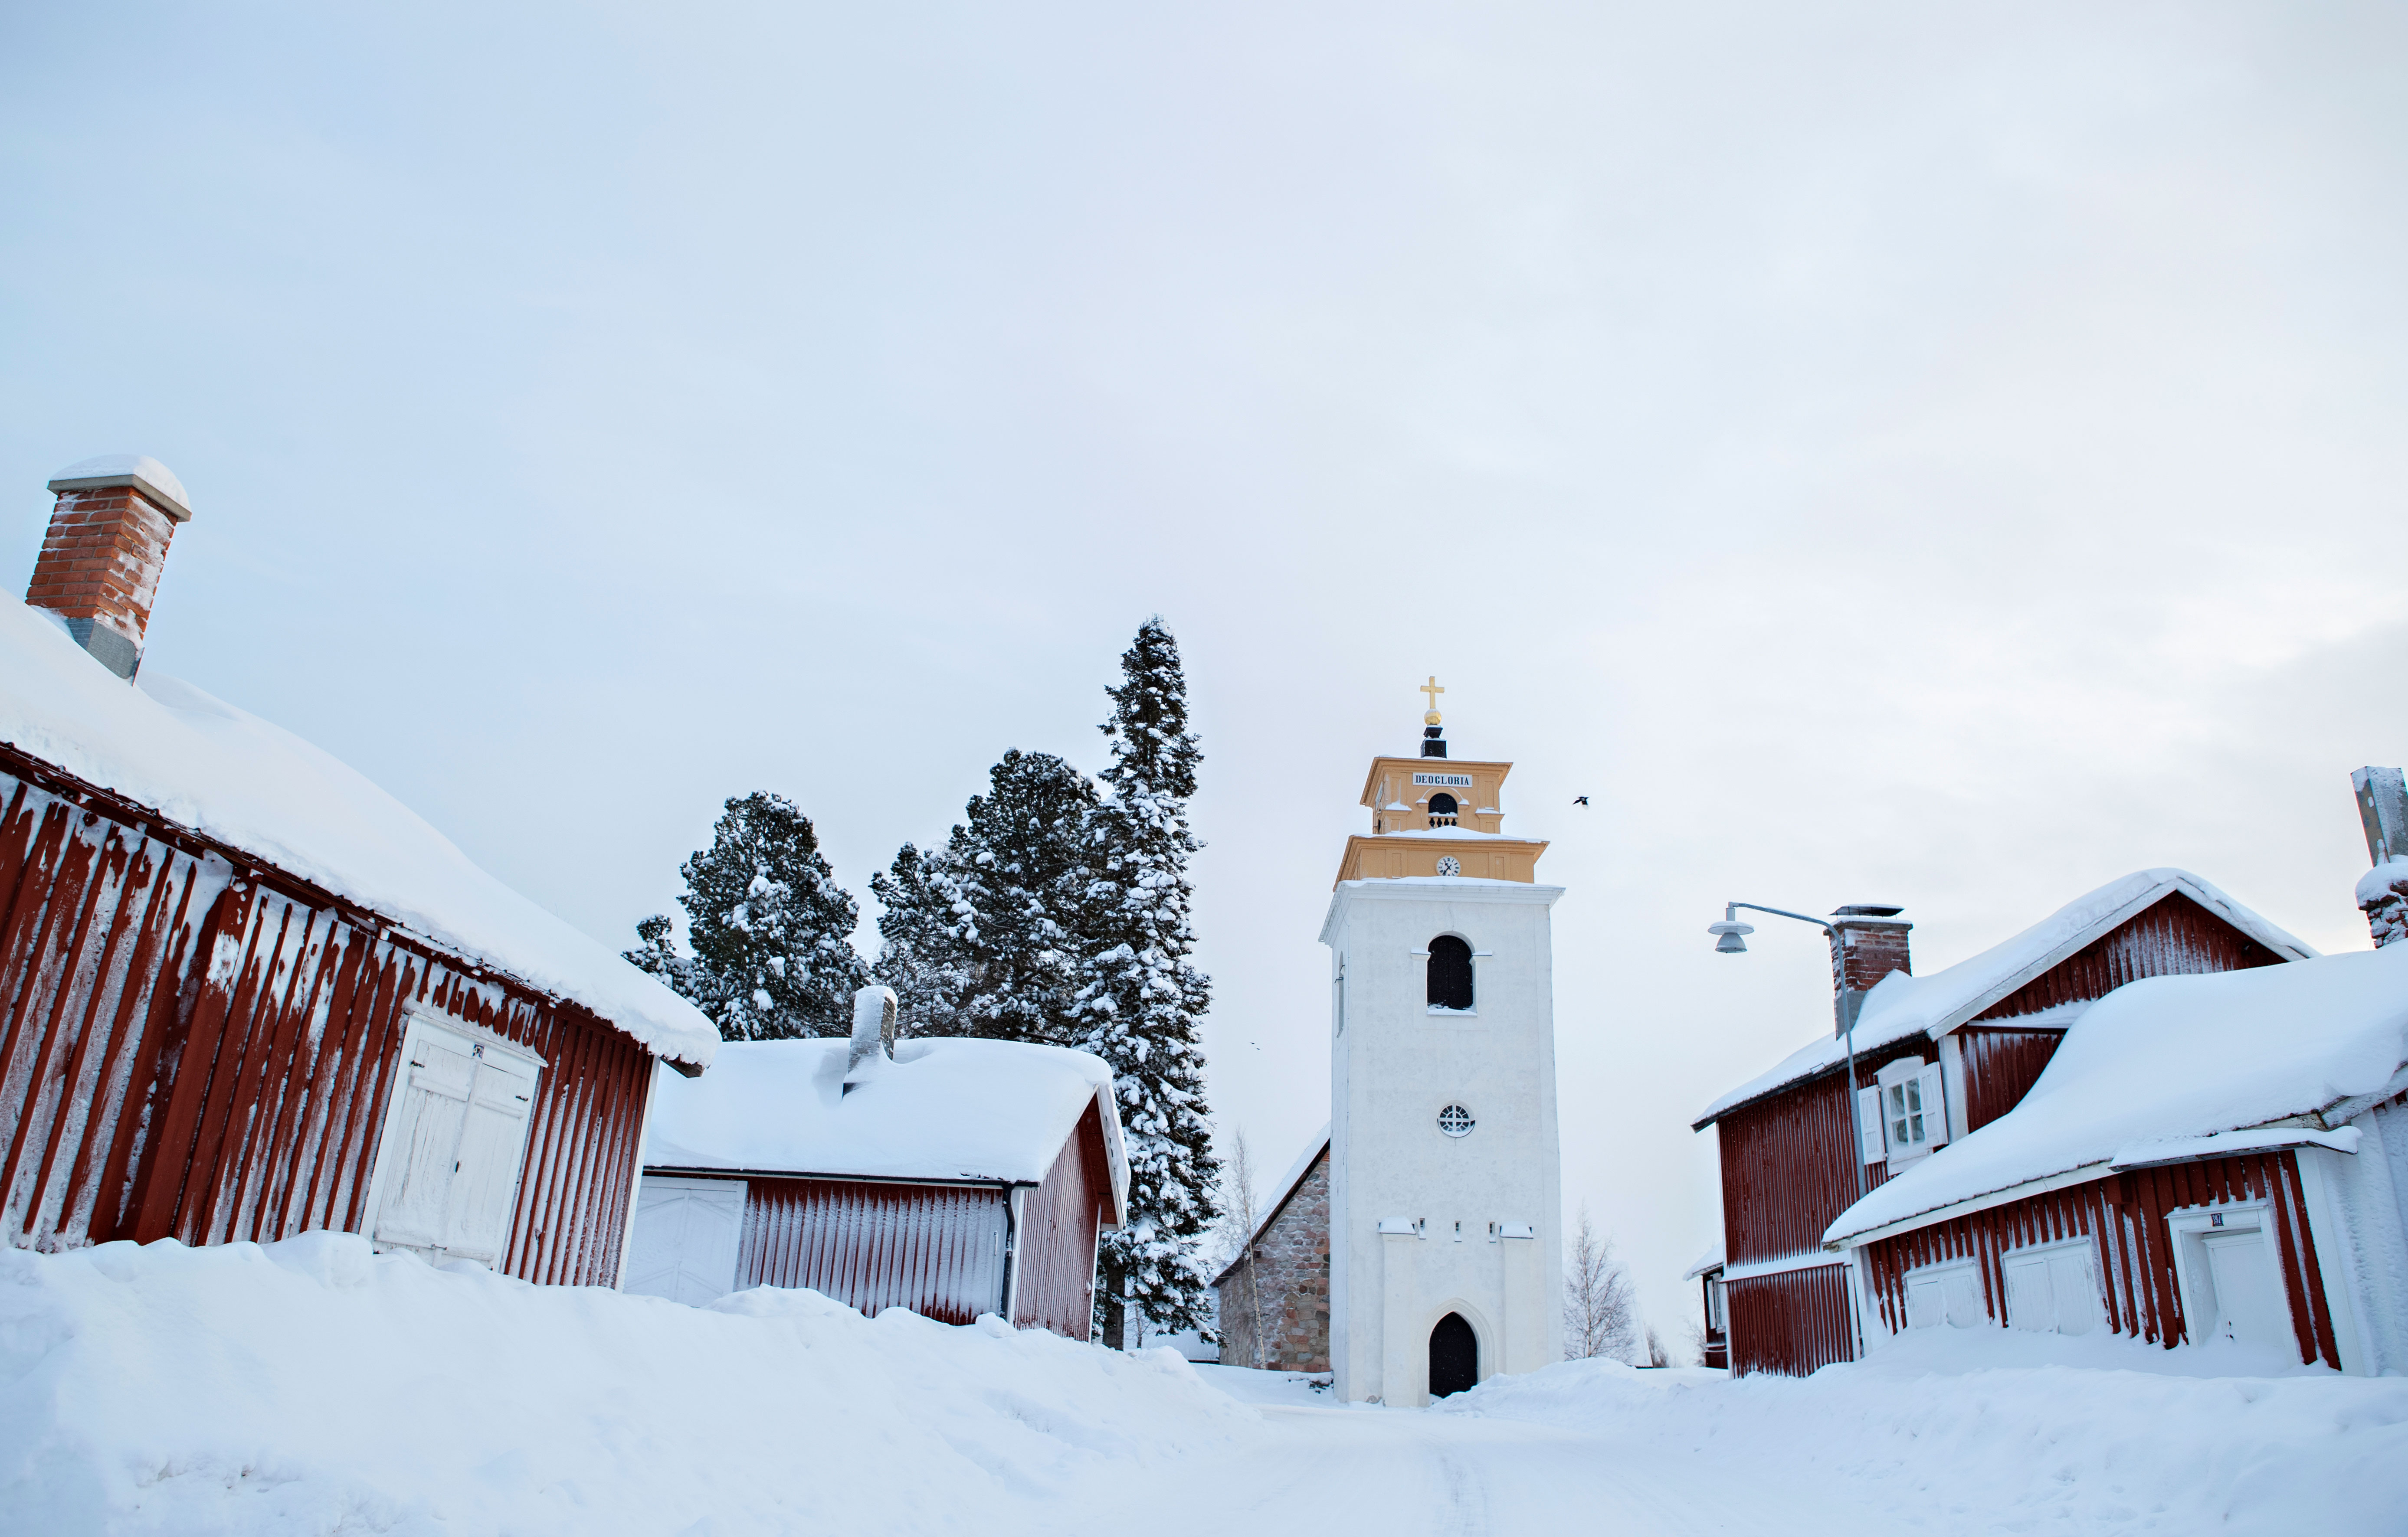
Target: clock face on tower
[1449, 866]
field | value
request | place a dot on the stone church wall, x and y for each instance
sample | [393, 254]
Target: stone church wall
[1293, 1256]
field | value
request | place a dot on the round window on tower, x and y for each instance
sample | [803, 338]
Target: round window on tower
[1456, 1121]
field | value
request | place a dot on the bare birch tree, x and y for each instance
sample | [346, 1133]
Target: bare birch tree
[1238, 1226]
[1601, 1304]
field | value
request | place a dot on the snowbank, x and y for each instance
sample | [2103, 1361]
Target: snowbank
[202, 763]
[941, 1109]
[312, 1387]
[1986, 1430]
[2161, 1062]
[1900, 1005]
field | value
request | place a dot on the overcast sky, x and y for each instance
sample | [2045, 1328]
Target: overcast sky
[1945, 455]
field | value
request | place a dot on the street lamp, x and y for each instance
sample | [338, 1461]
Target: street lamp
[1727, 941]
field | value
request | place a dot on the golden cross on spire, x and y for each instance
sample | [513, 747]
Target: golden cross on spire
[1432, 689]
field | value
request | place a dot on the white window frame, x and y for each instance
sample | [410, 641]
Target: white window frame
[2046, 1254]
[2190, 1227]
[417, 1020]
[1925, 1084]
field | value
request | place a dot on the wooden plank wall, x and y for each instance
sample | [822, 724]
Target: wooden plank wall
[2001, 1067]
[1790, 1323]
[937, 1249]
[2173, 936]
[1788, 1164]
[195, 1046]
[1059, 1224]
[2126, 1215]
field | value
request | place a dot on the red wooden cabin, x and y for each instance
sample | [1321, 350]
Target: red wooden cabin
[246, 994]
[1937, 1058]
[954, 1178]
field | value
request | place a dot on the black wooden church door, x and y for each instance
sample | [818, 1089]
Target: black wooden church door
[1455, 1357]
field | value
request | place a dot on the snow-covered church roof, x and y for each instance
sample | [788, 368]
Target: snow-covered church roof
[1900, 1005]
[2174, 1068]
[940, 1110]
[227, 775]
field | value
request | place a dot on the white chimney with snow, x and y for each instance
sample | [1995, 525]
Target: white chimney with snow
[873, 1035]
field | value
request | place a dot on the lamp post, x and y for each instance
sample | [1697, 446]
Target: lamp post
[1729, 940]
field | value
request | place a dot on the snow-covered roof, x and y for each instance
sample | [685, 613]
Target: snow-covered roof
[2161, 1064]
[229, 775]
[1710, 1259]
[144, 472]
[1901, 1006]
[940, 1110]
[1269, 1206]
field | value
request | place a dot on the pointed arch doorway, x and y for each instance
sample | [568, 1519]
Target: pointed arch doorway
[1453, 1357]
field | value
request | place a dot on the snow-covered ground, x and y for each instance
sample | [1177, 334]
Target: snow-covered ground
[313, 1387]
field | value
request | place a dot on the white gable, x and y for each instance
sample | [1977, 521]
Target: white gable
[204, 765]
[942, 1109]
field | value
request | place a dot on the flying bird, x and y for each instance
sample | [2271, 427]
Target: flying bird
[1580, 799]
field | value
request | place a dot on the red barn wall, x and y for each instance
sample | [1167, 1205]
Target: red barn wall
[1792, 1322]
[196, 1046]
[937, 1249]
[1060, 1222]
[2126, 1215]
[2173, 936]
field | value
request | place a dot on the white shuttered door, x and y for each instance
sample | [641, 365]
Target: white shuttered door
[687, 1235]
[447, 1165]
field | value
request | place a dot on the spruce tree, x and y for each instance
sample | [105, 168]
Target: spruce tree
[771, 930]
[923, 953]
[1018, 868]
[1140, 1002]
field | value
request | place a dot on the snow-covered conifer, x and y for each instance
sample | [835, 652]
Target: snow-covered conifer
[1003, 958]
[924, 954]
[1140, 1002]
[771, 930]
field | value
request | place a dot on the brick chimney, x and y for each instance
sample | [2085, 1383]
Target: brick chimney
[100, 561]
[1867, 943]
[2383, 891]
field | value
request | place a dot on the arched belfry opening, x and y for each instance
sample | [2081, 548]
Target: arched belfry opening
[1453, 1357]
[1442, 810]
[1450, 973]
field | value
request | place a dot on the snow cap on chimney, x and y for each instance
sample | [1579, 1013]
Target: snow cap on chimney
[1867, 943]
[873, 1034]
[107, 542]
[2383, 891]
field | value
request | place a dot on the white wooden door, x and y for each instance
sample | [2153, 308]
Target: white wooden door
[2052, 1291]
[448, 1162]
[687, 1235]
[2249, 1306]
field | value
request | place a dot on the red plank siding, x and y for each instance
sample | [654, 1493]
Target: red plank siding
[196, 1046]
[2001, 1067]
[2125, 1215]
[937, 1249]
[1788, 1164]
[2172, 937]
[1060, 1222]
[1792, 1322]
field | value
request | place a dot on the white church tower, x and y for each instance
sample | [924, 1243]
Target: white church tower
[1446, 1253]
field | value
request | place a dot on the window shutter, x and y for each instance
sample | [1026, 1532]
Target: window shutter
[1868, 1125]
[478, 1217]
[1935, 1105]
[433, 1110]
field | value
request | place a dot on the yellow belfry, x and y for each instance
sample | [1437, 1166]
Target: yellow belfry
[1433, 815]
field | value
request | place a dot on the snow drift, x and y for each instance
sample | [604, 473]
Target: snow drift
[314, 1386]
[1979, 1431]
